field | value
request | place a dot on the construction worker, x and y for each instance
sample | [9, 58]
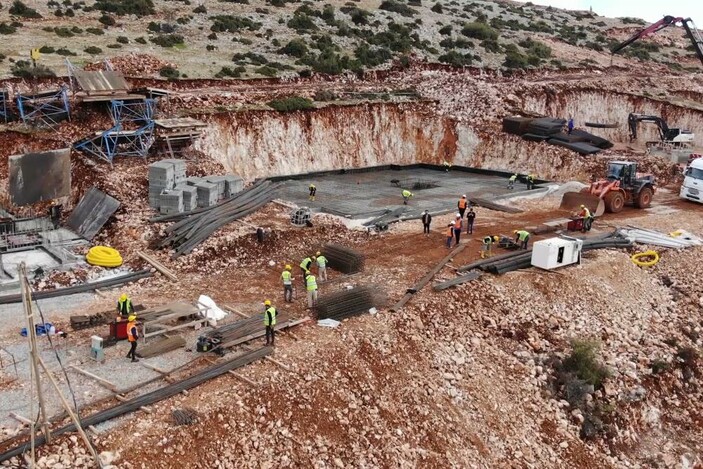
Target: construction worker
[511, 181]
[458, 224]
[305, 267]
[321, 266]
[287, 278]
[311, 285]
[570, 125]
[406, 196]
[132, 337]
[260, 234]
[450, 235]
[487, 244]
[462, 204]
[124, 305]
[587, 218]
[426, 220]
[470, 217]
[530, 181]
[270, 314]
[447, 166]
[313, 190]
[523, 237]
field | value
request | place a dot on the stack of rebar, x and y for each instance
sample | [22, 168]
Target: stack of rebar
[194, 227]
[184, 416]
[343, 259]
[161, 346]
[242, 330]
[346, 303]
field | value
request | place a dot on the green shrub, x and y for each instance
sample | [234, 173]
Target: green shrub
[583, 363]
[229, 72]
[397, 38]
[536, 48]
[267, 71]
[70, 13]
[58, 14]
[65, 52]
[114, 46]
[446, 30]
[63, 32]
[437, 8]
[168, 40]
[369, 57]
[479, 31]
[96, 31]
[126, 7]
[184, 19]
[107, 20]
[295, 48]
[7, 29]
[291, 103]
[325, 95]
[397, 7]
[328, 15]
[629, 20]
[20, 9]
[256, 59]
[302, 23]
[140, 40]
[514, 59]
[122, 40]
[232, 24]
[169, 72]
[456, 59]
[24, 69]
[76, 30]
[200, 9]
[47, 50]
[306, 9]
[93, 50]
[490, 45]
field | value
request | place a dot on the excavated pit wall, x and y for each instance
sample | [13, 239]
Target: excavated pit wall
[266, 143]
[611, 107]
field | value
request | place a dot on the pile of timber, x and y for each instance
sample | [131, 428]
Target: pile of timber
[161, 346]
[246, 329]
[346, 303]
[162, 319]
[192, 228]
[83, 321]
[148, 398]
[343, 259]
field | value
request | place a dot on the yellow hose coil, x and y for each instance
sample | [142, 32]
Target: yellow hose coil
[653, 254]
[104, 256]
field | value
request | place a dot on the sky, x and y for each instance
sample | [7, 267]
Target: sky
[649, 10]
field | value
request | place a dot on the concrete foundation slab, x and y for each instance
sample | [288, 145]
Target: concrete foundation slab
[363, 195]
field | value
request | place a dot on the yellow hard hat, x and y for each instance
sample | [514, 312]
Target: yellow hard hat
[583, 206]
[318, 253]
[496, 238]
[123, 297]
[267, 303]
[132, 317]
[288, 267]
[514, 231]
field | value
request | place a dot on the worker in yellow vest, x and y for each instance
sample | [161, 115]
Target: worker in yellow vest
[406, 196]
[287, 278]
[124, 305]
[270, 314]
[321, 266]
[132, 337]
[311, 285]
[313, 191]
[450, 235]
[523, 237]
[305, 267]
[511, 181]
[487, 245]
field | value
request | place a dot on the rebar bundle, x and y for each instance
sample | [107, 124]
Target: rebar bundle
[184, 416]
[346, 303]
[343, 259]
[194, 227]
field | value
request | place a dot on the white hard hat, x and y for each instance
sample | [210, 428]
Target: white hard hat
[458, 215]
[463, 196]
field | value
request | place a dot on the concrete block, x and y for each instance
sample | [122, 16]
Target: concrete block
[190, 197]
[233, 184]
[221, 185]
[171, 202]
[207, 194]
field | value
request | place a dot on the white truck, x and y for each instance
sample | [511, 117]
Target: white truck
[692, 187]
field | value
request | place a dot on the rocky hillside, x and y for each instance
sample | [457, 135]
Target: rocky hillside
[248, 38]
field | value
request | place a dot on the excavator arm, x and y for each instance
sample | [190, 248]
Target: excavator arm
[634, 119]
[695, 36]
[651, 29]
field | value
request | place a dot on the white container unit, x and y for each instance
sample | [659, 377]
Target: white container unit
[553, 253]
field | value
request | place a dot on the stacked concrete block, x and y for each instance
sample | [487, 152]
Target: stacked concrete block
[190, 196]
[234, 184]
[221, 185]
[179, 169]
[192, 181]
[208, 194]
[171, 202]
[161, 177]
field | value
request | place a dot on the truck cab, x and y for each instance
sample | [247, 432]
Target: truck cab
[692, 187]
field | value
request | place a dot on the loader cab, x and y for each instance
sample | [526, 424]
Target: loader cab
[625, 171]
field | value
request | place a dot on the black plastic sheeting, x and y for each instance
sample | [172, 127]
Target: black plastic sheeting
[582, 148]
[92, 212]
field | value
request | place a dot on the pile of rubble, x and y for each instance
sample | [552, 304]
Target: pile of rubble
[133, 65]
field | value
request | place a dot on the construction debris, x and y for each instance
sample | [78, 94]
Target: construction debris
[343, 259]
[677, 240]
[161, 346]
[158, 266]
[345, 303]
[185, 416]
[456, 281]
[92, 212]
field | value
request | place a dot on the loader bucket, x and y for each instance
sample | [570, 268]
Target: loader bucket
[572, 201]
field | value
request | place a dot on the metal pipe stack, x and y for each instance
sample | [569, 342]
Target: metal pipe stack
[345, 303]
[343, 259]
[193, 228]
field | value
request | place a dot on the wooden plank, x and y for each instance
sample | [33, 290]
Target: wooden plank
[158, 266]
[102, 381]
[236, 375]
[20, 419]
[456, 281]
[175, 328]
[427, 278]
[236, 311]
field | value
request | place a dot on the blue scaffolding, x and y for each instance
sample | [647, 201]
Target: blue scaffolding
[44, 109]
[4, 98]
[138, 111]
[118, 142]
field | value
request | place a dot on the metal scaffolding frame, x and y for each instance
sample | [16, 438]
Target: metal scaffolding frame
[138, 111]
[4, 98]
[44, 109]
[118, 142]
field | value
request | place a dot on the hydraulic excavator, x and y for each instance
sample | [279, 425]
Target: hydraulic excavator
[621, 186]
[675, 137]
[691, 31]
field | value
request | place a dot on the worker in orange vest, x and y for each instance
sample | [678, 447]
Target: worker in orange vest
[132, 337]
[462, 204]
[450, 235]
[458, 224]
